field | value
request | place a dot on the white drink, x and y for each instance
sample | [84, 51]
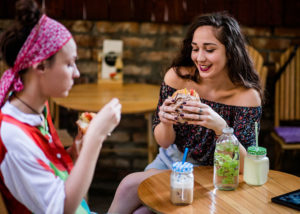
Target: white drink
[256, 169]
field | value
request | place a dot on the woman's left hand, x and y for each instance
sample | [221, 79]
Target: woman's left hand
[203, 115]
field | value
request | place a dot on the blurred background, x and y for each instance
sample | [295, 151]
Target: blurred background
[152, 32]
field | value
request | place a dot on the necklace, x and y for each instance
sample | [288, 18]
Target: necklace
[43, 127]
[28, 106]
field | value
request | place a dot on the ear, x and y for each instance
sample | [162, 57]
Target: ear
[40, 67]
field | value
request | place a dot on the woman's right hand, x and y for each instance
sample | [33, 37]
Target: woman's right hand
[165, 112]
[106, 119]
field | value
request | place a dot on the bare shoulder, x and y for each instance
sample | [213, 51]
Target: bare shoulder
[173, 80]
[248, 97]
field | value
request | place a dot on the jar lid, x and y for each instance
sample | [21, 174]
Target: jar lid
[227, 130]
[253, 150]
[182, 167]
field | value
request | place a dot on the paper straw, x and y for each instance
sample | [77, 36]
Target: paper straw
[256, 135]
[185, 154]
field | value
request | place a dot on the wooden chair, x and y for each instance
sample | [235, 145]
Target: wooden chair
[258, 62]
[65, 138]
[287, 106]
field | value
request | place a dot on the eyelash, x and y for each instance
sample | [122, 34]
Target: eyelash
[209, 51]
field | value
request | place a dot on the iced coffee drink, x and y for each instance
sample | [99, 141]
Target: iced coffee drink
[182, 183]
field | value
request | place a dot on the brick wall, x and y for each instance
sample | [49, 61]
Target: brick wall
[148, 49]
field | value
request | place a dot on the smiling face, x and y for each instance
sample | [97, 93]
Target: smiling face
[58, 77]
[208, 53]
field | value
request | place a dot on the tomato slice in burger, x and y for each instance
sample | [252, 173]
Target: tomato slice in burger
[192, 92]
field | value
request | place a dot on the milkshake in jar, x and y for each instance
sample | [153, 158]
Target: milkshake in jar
[256, 166]
[182, 183]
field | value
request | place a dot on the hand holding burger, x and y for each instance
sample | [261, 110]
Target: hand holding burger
[180, 97]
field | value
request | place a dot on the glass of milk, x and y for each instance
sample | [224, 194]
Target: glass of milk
[182, 183]
[256, 166]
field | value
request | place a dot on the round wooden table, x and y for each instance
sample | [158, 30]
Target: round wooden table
[154, 192]
[135, 98]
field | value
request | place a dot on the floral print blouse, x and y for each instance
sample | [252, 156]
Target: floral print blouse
[201, 140]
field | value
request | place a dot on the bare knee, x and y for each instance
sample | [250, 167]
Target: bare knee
[131, 182]
[142, 210]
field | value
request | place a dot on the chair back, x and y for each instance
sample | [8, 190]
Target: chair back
[258, 62]
[287, 89]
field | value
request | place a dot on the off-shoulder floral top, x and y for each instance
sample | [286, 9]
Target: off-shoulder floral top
[201, 140]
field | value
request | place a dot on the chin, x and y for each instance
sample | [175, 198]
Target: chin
[65, 94]
[62, 94]
[204, 75]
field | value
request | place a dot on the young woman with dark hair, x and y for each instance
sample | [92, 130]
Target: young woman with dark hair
[214, 62]
[36, 174]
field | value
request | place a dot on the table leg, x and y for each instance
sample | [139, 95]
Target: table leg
[152, 145]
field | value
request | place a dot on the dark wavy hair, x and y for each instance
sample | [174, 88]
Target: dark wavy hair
[240, 66]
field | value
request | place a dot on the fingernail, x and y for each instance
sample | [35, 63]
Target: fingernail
[173, 100]
[181, 115]
[184, 103]
[176, 118]
[180, 106]
[176, 110]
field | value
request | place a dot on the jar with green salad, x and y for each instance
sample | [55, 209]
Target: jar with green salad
[226, 161]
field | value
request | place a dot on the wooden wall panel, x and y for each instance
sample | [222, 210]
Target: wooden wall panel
[253, 13]
[7, 9]
[96, 10]
[246, 12]
[73, 9]
[177, 11]
[158, 10]
[194, 8]
[141, 10]
[216, 6]
[120, 10]
[291, 12]
[54, 9]
[268, 12]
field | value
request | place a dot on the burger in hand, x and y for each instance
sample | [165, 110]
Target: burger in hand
[181, 96]
[84, 121]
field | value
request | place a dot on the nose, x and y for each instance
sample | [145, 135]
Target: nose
[201, 56]
[76, 73]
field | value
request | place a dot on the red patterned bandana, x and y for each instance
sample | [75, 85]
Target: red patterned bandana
[44, 40]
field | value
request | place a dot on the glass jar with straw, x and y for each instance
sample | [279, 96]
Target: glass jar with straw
[182, 182]
[256, 164]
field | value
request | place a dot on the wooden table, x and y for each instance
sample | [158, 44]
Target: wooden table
[135, 98]
[154, 192]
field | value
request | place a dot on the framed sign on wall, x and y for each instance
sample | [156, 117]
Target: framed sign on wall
[111, 61]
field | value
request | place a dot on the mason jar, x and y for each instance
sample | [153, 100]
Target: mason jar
[182, 183]
[256, 166]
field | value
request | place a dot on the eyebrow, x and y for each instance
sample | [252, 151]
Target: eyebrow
[205, 44]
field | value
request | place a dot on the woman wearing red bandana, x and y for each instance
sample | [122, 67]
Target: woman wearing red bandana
[36, 174]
